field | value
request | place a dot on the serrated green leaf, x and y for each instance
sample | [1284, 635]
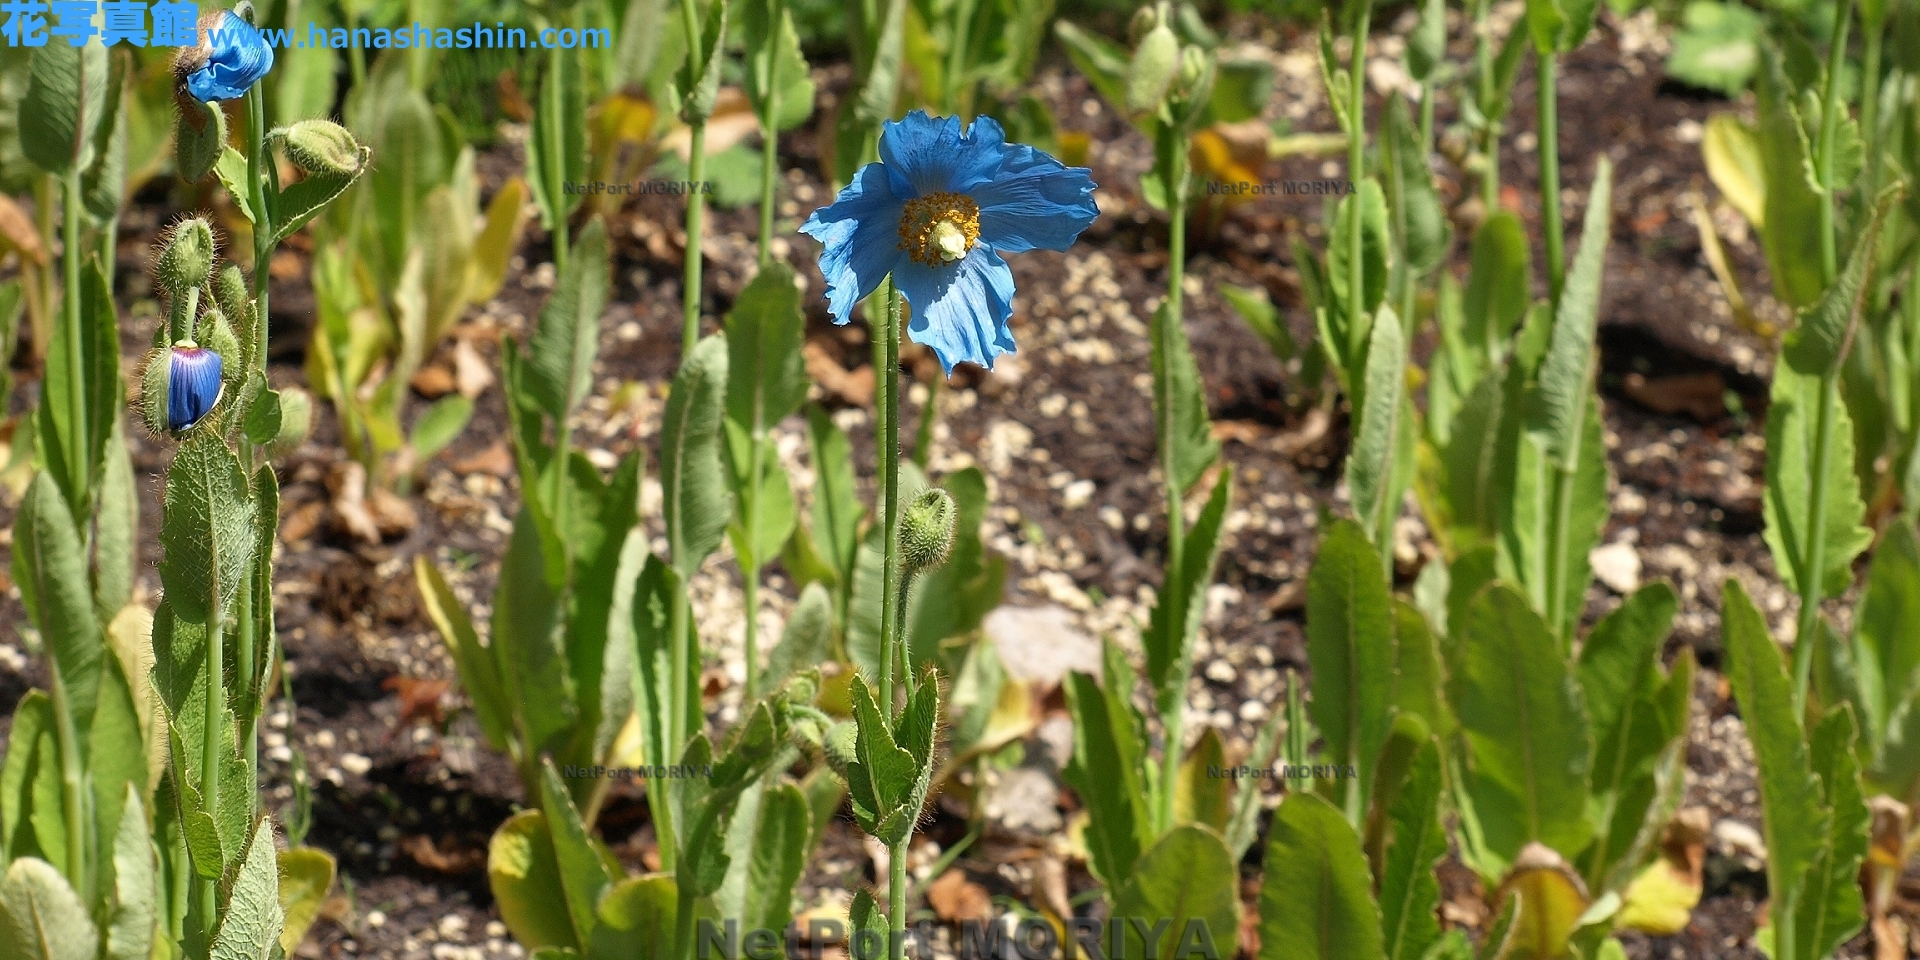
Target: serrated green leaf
[1793, 250]
[1316, 901]
[1427, 234]
[1831, 908]
[1409, 888]
[1624, 689]
[559, 370]
[557, 141]
[1526, 733]
[1184, 435]
[1499, 284]
[776, 67]
[116, 755]
[1106, 766]
[1181, 606]
[1819, 345]
[879, 780]
[1350, 650]
[1566, 374]
[1200, 794]
[636, 918]
[131, 911]
[251, 923]
[474, 664]
[697, 503]
[1884, 649]
[30, 815]
[1473, 466]
[1375, 244]
[1792, 438]
[116, 525]
[64, 106]
[1419, 682]
[295, 204]
[528, 635]
[767, 841]
[700, 73]
[1795, 821]
[206, 527]
[584, 876]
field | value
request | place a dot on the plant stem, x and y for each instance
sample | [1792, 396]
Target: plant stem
[78, 453]
[1172, 715]
[555, 149]
[696, 211]
[43, 275]
[1831, 107]
[1490, 135]
[1357, 172]
[897, 899]
[770, 130]
[1547, 94]
[889, 396]
[750, 560]
[1557, 567]
[73, 778]
[1873, 34]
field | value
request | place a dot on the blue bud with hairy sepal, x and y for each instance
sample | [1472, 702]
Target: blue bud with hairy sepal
[193, 384]
[232, 57]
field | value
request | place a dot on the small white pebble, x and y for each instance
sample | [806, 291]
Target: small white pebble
[324, 740]
[452, 926]
[376, 919]
[355, 764]
[1077, 494]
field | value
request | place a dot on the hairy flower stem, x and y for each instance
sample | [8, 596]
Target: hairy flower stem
[1490, 134]
[258, 170]
[696, 215]
[1547, 94]
[750, 561]
[73, 792]
[890, 496]
[1356, 291]
[1812, 572]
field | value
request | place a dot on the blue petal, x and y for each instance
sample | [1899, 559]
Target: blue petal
[861, 231]
[193, 384]
[961, 310]
[934, 155]
[240, 56]
[1034, 202]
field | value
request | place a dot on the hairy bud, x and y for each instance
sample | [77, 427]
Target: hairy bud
[217, 334]
[926, 530]
[324, 147]
[186, 256]
[296, 421]
[230, 292]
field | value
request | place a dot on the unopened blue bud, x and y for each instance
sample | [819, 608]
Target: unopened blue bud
[193, 384]
[233, 56]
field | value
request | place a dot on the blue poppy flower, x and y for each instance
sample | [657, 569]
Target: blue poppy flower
[237, 56]
[937, 212]
[193, 384]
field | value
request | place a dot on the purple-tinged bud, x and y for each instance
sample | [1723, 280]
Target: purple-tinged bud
[180, 384]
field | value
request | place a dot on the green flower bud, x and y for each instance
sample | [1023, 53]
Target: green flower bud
[296, 421]
[1155, 62]
[230, 292]
[842, 746]
[186, 256]
[324, 147]
[926, 530]
[199, 136]
[1193, 67]
[217, 334]
[1144, 21]
[153, 390]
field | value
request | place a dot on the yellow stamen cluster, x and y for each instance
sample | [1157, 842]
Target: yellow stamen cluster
[939, 228]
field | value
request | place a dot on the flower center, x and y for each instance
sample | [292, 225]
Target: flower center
[939, 228]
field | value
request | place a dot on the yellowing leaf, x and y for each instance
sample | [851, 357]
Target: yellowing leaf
[1732, 151]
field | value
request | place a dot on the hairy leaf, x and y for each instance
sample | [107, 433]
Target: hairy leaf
[1350, 650]
[1316, 902]
[696, 504]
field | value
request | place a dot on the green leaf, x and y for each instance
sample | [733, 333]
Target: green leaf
[1526, 732]
[1731, 148]
[1792, 438]
[654, 596]
[1793, 250]
[1409, 888]
[775, 67]
[41, 918]
[1419, 683]
[877, 779]
[1559, 26]
[199, 138]
[306, 876]
[1350, 651]
[696, 503]
[584, 876]
[1819, 344]
[1474, 470]
[1186, 878]
[65, 102]
[767, 842]
[1717, 46]
[700, 74]
[524, 875]
[1201, 795]
[1884, 651]
[1832, 910]
[836, 506]
[251, 923]
[1427, 233]
[474, 664]
[439, 426]
[1427, 44]
[1566, 374]
[557, 142]
[636, 918]
[529, 640]
[1372, 461]
[50, 567]
[116, 754]
[132, 907]
[1794, 819]
[559, 371]
[1184, 435]
[765, 379]
[857, 134]
[1499, 283]
[1316, 901]
[806, 640]
[1375, 242]
[206, 528]
[1182, 604]
[1106, 768]
[1619, 673]
[295, 204]
[1104, 63]
[103, 185]
[1262, 317]
[31, 821]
